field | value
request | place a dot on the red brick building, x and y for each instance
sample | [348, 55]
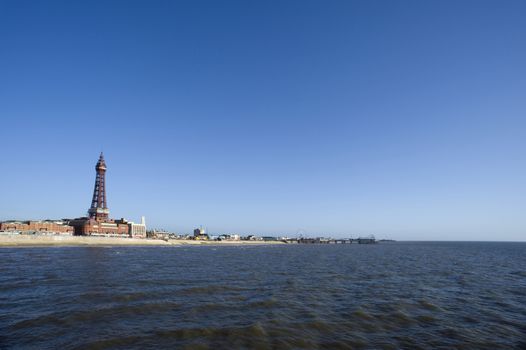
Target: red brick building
[87, 227]
[37, 226]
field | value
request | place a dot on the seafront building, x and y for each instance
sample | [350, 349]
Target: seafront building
[37, 226]
[138, 230]
[200, 234]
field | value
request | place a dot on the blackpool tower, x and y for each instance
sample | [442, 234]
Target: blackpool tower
[99, 209]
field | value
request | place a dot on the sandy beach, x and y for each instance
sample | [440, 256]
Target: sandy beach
[42, 240]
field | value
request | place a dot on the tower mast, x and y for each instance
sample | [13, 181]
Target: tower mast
[99, 208]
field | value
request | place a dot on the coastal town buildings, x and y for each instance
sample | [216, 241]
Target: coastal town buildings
[231, 237]
[97, 223]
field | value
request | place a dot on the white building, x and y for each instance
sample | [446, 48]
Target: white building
[138, 230]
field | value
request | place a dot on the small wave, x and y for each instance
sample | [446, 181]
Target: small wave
[129, 296]
[207, 290]
[263, 303]
[426, 319]
[362, 315]
[428, 305]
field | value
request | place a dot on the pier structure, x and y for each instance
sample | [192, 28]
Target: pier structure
[320, 240]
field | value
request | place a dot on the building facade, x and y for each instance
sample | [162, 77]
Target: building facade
[200, 234]
[138, 230]
[90, 227]
[41, 226]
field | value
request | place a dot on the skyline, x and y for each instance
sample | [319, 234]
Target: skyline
[403, 120]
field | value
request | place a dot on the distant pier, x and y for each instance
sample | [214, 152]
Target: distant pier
[319, 240]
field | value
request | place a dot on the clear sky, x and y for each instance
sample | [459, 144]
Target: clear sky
[406, 119]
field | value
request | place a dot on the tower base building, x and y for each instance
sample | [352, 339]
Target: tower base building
[90, 227]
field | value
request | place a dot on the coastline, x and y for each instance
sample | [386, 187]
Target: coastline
[81, 241]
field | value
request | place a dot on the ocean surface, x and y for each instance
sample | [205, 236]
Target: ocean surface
[385, 296]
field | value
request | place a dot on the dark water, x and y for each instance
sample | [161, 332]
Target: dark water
[395, 295]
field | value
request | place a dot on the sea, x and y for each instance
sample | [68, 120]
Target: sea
[400, 295]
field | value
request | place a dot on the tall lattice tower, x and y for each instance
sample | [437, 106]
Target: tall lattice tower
[99, 208]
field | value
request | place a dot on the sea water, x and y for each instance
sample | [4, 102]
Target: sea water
[384, 296]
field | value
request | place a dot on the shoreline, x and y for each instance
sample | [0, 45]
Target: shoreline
[10, 241]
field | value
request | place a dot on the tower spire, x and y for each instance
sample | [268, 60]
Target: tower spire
[99, 208]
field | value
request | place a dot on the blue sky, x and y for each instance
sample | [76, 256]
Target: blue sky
[406, 119]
